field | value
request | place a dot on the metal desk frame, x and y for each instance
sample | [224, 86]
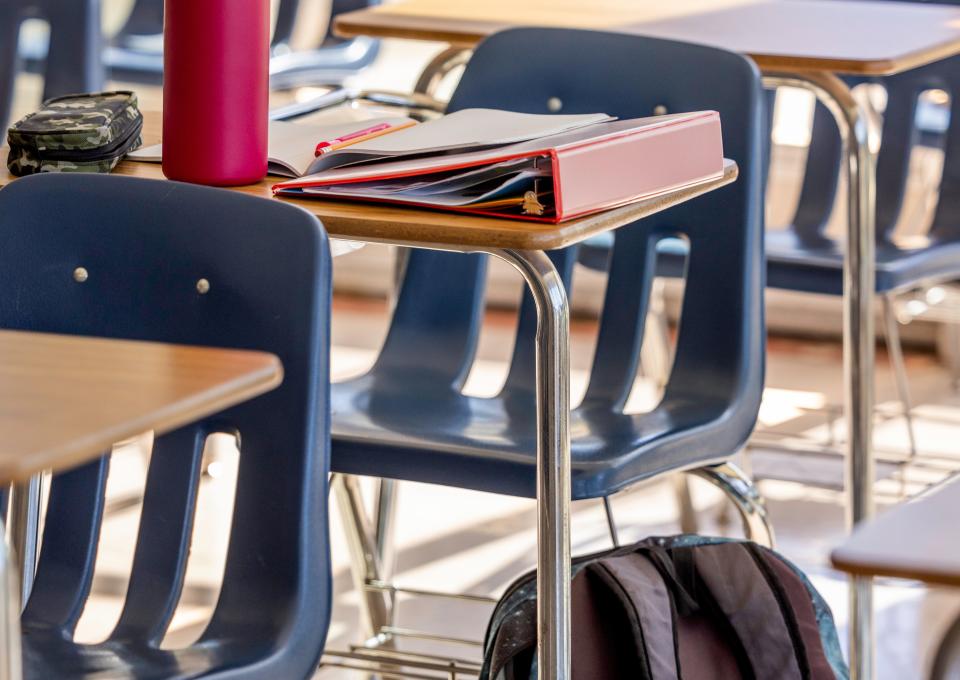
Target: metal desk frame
[857, 131]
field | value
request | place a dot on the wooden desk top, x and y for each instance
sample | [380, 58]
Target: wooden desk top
[65, 399]
[842, 36]
[916, 540]
[425, 228]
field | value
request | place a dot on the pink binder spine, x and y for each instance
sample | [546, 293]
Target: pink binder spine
[599, 175]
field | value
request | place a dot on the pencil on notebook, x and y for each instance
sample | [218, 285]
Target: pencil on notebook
[323, 148]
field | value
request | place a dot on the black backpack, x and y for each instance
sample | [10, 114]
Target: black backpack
[681, 608]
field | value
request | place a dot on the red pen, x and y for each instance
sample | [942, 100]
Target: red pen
[323, 147]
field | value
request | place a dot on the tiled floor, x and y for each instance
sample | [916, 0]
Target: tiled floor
[479, 542]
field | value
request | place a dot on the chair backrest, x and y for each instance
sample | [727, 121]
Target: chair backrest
[145, 244]
[287, 19]
[720, 344]
[145, 18]
[73, 57]
[899, 136]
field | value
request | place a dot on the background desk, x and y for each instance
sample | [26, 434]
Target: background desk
[916, 540]
[66, 399]
[841, 36]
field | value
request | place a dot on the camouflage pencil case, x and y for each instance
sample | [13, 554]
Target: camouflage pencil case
[76, 133]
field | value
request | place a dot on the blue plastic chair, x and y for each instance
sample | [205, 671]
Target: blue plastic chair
[333, 60]
[804, 258]
[72, 59]
[408, 418]
[145, 244]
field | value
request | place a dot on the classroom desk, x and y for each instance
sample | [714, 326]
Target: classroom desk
[65, 400]
[522, 245]
[915, 540]
[801, 43]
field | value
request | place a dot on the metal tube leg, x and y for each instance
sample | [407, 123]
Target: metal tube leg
[611, 522]
[895, 350]
[858, 333]
[740, 489]
[384, 528]
[553, 460]
[685, 509]
[377, 605]
[24, 522]
[442, 64]
[10, 662]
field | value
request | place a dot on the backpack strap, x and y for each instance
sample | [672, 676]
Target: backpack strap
[801, 604]
[646, 598]
[758, 610]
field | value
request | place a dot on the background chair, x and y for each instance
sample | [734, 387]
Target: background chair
[805, 257]
[408, 418]
[329, 63]
[136, 53]
[145, 246]
[72, 58]
[802, 256]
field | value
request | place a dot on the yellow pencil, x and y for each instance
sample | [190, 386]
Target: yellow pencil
[357, 140]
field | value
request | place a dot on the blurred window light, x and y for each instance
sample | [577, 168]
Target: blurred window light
[936, 295]
[792, 117]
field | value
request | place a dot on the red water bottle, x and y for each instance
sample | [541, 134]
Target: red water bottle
[216, 89]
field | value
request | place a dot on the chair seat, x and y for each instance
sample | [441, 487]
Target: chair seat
[48, 655]
[817, 266]
[811, 266]
[404, 430]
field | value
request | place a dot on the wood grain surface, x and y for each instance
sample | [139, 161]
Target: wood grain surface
[916, 540]
[66, 399]
[841, 36]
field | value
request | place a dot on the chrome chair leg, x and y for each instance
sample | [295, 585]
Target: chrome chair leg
[611, 522]
[24, 522]
[895, 350]
[376, 605]
[10, 662]
[740, 489]
[439, 67]
[386, 510]
[685, 509]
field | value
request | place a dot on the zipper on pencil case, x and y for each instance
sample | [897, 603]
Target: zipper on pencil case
[78, 155]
